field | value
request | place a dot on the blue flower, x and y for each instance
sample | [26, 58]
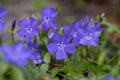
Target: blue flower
[48, 17]
[109, 78]
[37, 57]
[61, 46]
[89, 34]
[3, 14]
[17, 54]
[72, 33]
[28, 29]
[36, 54]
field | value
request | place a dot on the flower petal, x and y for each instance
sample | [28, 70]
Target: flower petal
[67, 29]
[28, 38]
[23, 23]
[33, 21]
[53, 26]
[94, 41]
[52, 47]
[3, 13]
[83, 41]
[21, 33]
[60, 54]
[2, 24]
[45, 26]
[56, 37]
[70, 48]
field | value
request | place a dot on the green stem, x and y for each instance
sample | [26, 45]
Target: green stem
[86, 48]
[0, 41]
[12, 35]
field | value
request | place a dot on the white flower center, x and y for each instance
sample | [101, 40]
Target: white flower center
[61, 45]
[88, 36]
[29, 29]
[73, 33]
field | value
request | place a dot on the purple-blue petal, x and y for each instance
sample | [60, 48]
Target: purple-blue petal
[2, 24]
[21, 33]
[84, 41]
[52, 47]
[70, 48]
[45, 26]
[109, 78]
[35, 44]
[23, 23]
[56, 37]
[67, 29]
[3, 13]
[94, 41]
[60, 54]
[33, 21]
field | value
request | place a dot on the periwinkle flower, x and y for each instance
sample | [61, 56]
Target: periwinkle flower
[28, 28]
[109, 78]
[90, 34]
[37, 57]
[72, 33]
[48, 19]
[61, 46]
[36, 54]
[17, 54]
[3, 14]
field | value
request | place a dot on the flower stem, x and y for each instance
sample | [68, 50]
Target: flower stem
[98, 50]
[86, 48]
[12, 35]
[0, 41]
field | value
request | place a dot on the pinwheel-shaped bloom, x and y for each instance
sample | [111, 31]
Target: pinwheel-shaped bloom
[48, 17]
[61, 46]
[28, 28]
[72, 33]
[17, 54]
[109, 78]
[3, 14]
[90, 34]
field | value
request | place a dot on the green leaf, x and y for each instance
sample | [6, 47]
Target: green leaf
[54, 71]
[56, 78]
[47, 58]
[101, 58]
[44, 68]
[4, 67]
[17, 74]
[111, 27]
[114, 61]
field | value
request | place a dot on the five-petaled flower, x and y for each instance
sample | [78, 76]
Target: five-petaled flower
[60, 45]
[17, 54]
[28, 29]
[3, 14]
[90, 34]
[48, 19]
